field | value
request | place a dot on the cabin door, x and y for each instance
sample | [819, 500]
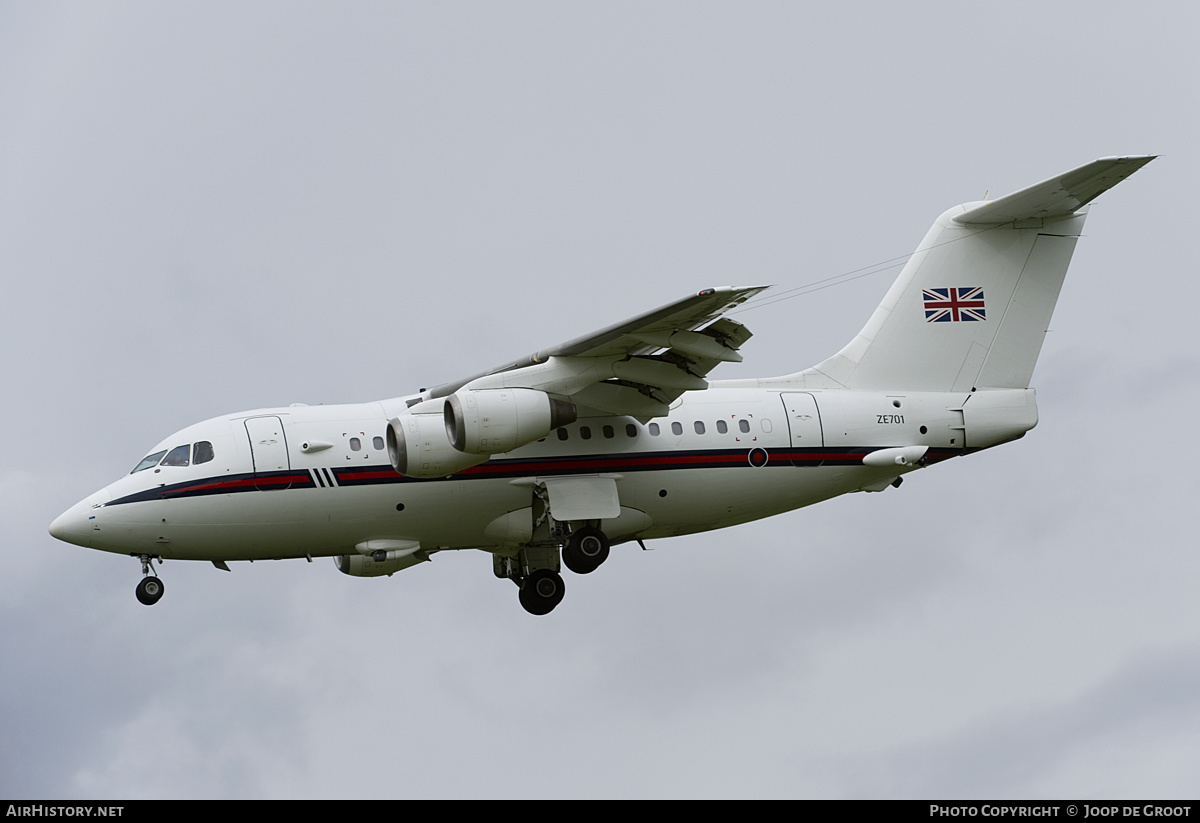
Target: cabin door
[804, 425]
[268, 447]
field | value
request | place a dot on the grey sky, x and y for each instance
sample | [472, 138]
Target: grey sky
[213, 207]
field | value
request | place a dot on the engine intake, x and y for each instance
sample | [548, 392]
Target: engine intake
[417, 447]
[492, 421]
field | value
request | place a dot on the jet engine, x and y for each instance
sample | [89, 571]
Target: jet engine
[417, 447]
[493, 421]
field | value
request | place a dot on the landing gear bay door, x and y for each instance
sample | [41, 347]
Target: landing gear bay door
[582, 498]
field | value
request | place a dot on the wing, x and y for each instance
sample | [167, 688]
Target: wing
[637, 367]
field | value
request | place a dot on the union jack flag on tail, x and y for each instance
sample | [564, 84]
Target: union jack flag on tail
[953, 305]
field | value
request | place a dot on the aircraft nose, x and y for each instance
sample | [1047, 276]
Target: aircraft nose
[77, 523]
[72, 527]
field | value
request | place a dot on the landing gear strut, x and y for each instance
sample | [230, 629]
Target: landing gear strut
[150, 590]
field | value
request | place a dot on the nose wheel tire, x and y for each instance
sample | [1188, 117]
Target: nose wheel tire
[541, 591]
[586, 550]
[149, 591]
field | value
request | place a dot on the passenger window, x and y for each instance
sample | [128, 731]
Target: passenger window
[149, 461]
[630, 430]
[585, 432]
[653, 429]
[377, 442]
[608, 432]
[744, 426]
[721, 427]
[562, 434]
[355, 444]
[202, 452]
[699, 426]
[178, 456]
[676, 428]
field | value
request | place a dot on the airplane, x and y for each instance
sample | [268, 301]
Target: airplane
[619, 436]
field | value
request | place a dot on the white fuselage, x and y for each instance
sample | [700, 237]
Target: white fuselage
[618, 435]
[316, 480]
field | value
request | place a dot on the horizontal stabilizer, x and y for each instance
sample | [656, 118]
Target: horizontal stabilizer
[1058, 196]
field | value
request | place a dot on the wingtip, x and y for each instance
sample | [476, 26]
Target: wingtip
[731, 290]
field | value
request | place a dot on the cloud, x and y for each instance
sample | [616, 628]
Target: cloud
[219, 208]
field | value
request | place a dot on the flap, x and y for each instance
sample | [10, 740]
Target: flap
[636, 367]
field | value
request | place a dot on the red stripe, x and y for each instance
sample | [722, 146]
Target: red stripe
[246, 481]
[347, 477]
[610, 463]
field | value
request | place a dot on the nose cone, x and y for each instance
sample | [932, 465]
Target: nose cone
[72, 527]
[77, 523]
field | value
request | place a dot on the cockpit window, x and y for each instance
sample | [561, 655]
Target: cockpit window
[202, 452]
[178, 456]
[149, 462]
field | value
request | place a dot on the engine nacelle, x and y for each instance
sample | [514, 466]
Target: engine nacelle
[493, 421]
[417, 447]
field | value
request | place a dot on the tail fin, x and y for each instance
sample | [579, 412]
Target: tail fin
[971, 307]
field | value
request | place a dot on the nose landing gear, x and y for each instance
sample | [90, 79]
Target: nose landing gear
[150, 590]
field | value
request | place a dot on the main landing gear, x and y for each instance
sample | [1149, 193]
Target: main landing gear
[586, 549]
[535, 567]
[150, 590]
[541, 591]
